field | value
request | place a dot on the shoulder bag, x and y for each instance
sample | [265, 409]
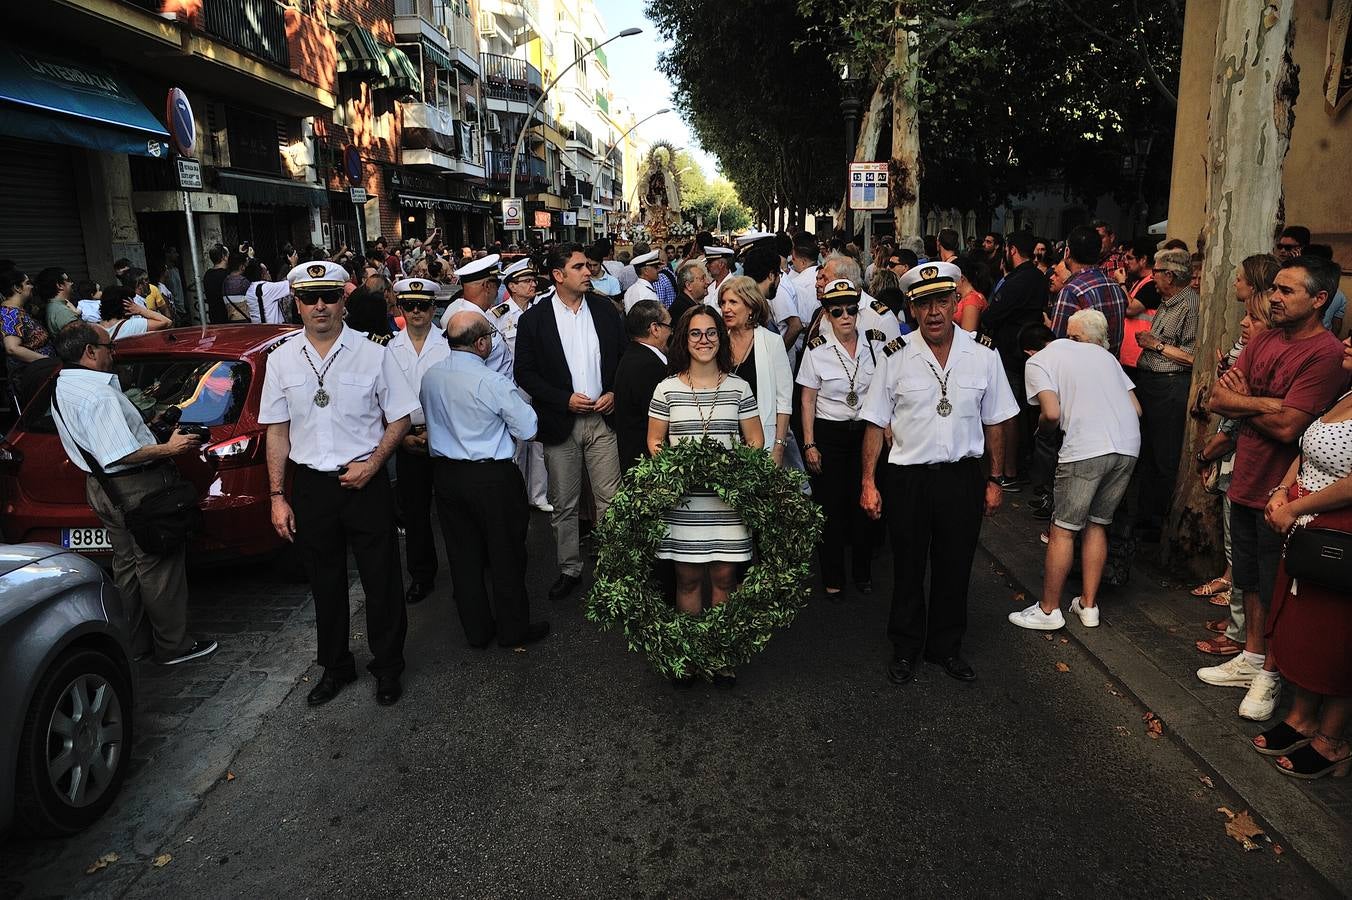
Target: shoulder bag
[161, 523]
[1321, 552]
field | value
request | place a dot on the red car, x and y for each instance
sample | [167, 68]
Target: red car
[216, 379]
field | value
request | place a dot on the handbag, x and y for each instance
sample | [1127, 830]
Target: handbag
[235, 312]
[1322, 556]
[162, 522]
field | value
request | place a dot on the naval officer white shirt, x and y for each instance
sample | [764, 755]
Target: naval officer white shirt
[413, 364]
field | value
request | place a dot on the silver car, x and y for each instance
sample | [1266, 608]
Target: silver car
[66, 691]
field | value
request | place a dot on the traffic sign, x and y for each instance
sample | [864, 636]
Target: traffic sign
[868, 186]
[511, 215]
[358, 195]
[182, 126]
[189, 174]
[352, 163]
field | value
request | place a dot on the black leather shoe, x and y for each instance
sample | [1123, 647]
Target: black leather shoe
[563, 586]
[957, 667]
[388, 690]
[417, 591]
[329, 686]
[900, 670]
[535, 631]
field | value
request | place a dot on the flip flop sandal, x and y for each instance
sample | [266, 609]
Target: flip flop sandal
[1221, 599]
[1280, 740]
[1214, 586]
[1218, 625]
[1219, 646]
[1308, 764]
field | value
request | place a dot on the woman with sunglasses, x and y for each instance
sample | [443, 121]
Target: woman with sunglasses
[835, 372]
[702, 399]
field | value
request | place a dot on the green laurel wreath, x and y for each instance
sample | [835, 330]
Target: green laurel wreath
[784, 523]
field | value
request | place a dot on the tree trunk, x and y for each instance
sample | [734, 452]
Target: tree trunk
[870, 131]
[904, 183]
[1253, 93]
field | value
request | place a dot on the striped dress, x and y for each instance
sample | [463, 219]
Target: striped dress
[702, 528]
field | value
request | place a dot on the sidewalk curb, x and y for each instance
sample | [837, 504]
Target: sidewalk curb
[1317, 837]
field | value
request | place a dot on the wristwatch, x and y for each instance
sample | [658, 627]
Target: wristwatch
[783, 442]
[994, 479]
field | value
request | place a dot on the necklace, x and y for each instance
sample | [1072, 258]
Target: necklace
[944, 408]
[321, 395]
[852, 398]
[705, 421]
[736, 369]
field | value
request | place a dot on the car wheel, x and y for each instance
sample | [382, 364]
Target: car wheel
[76, 745]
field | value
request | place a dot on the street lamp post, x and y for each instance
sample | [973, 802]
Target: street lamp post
[591, 220]
[521, 135]
[850, 107]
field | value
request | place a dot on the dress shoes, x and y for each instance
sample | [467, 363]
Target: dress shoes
[900, 670]
[329, 686]
[563, 586]
[388, 690]
[535, 631]
[956, 667]
[417, 591]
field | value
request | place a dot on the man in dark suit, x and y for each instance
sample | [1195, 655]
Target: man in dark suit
[643, 365]
[693, 281]
[567, 351]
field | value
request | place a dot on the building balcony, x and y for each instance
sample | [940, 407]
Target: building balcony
[518, 18]
[428, 128]
[530, 171]
[258, 27]
[509, 78]
[581, 141]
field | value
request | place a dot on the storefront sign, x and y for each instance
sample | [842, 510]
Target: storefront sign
[569, 217]
[543, 218]
[189, 174]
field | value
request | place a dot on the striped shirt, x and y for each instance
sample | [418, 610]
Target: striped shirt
[97, 416]
[716, 413]
[1175, 323]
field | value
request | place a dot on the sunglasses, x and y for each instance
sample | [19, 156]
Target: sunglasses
[708, 335]
[837, 311]
[312, 299]
[893, 262]
[416, 305]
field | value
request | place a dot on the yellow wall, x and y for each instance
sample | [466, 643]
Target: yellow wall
[1316, 180]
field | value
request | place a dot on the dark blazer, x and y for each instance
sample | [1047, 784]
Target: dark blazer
[542, 371]
[639, 373]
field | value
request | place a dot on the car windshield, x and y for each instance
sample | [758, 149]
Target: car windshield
[209, 391]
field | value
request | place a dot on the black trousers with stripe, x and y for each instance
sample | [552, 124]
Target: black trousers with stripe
[836, 489]
[414, 487]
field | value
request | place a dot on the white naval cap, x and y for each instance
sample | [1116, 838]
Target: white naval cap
[523, 266]
[644, 259]
[840, 290]
[930, 278]
[319, 275]
[714, 252]
[415, 289]
[479, 269]
[752, 237]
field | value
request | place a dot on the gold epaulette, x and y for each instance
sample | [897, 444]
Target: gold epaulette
[501, 309]
[873, 334]
[381, 339]
[881, 308]
[894, 345]
[816, 342]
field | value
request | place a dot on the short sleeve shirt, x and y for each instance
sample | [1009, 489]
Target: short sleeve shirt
[1094, 395]
[828, 369]
[715, 413]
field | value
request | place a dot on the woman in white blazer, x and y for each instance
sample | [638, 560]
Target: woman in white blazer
[758, 356]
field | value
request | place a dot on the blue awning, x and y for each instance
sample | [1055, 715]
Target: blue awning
[81, 104]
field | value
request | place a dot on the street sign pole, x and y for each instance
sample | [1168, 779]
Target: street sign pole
[352, 165]
[182, 124]
[192, 262]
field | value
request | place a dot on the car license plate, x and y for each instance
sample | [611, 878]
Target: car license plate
[86, 539]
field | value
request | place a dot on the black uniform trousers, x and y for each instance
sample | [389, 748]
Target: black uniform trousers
[330, 519]
[1164, 417]
[414, 487]
[836, 490]
[484, 516]
[934, 515]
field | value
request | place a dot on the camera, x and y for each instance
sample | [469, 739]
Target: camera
[202, 431]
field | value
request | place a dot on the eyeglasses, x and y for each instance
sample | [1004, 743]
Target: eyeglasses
[707, 336]
[668, 325]
[108, 346]
[893, 262]
[838, 311]
[312, 299]
[416, 305]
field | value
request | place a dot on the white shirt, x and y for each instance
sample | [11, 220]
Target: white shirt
[624, 274]
[89, 311]
[500, 358]
[581, 346]
[805, 286]
[97, 416]
[366, 389]
[660, 355]
[639, 290]
[905, 393]
[507, 315]
[130, 327]
[413, 364]
[274, 293]
[1095, 398]
[785, 305]
[828, 369]
[711, 298]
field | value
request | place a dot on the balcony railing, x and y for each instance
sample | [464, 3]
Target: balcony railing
[434, 11]
[529, 169]
[510, 78]
[583, 136]
[258, 27]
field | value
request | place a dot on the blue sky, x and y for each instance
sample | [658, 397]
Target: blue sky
[634, 76]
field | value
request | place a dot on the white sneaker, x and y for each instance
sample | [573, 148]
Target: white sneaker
[1033, 617]
[1260, 702]
[1089, 617]
[1234, 672]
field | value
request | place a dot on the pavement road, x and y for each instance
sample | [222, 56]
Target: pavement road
[570, 770]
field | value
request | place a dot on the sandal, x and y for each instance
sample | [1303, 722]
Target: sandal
[1218, 625]
[1280, 740]
[1308, 763]
[1214, 586]
[1219, 646]
[1221, 599]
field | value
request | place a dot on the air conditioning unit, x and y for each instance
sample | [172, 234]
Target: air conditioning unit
[576, 201]
[492, 124]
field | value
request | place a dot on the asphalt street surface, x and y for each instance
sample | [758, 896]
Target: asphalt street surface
[571, 770]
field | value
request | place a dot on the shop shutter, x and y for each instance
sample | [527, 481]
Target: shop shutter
[40, 219]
